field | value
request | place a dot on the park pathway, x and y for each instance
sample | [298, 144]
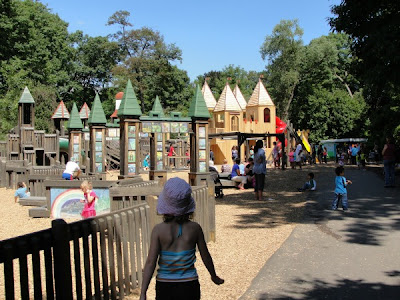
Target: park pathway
[336, 254]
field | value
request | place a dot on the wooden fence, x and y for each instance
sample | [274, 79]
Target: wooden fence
[122, 197]
[112, 247]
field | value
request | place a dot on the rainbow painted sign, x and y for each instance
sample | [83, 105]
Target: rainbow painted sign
[65, 202]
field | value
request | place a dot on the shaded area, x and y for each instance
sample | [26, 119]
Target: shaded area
[340, 289]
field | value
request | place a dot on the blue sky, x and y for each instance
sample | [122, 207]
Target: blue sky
[211, 34]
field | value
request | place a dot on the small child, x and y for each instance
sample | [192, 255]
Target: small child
[21, 191]
[340, 189]
[291, 158]
[311, 184]
[173, 243]
[90, 200]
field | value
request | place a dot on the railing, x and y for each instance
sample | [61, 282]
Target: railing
[50, 143]
[39, 139]
[37, 178]
[27, 135]
[205, 203]
[13, 143]
[3, 149]
[112, 247]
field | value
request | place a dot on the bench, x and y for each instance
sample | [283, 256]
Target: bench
[39, 212]
[33, 201]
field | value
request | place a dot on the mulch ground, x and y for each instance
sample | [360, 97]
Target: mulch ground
[248, 232]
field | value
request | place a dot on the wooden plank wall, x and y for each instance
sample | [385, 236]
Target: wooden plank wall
[98, 258]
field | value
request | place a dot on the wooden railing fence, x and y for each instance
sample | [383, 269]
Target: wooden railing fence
[122, 197]
[100, 258]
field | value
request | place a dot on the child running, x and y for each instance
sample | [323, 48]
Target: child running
[90, 200]
[173, 243]
[340, 190]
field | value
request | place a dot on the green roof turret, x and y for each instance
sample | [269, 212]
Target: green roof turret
[74, 121]
[97, 115]
[129, 104]
[198, 107]
[26, 97]
[157, 109]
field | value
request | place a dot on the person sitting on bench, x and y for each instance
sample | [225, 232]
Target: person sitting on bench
[235, 175]
[21, 191]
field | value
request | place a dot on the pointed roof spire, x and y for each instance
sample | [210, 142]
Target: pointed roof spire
[61, 112]
[260, 96]
[239, 96]
[198, 107]
[74, 121]
[26, 96]
[129, 104]
[114, 114]
[84, 113]
[227, 101]
[97, 115]
[157, 108]
[208, 95]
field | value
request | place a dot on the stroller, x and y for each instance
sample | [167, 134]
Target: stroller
[222, 181]
[218, 184]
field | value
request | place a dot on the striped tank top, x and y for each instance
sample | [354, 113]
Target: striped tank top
[177, 266]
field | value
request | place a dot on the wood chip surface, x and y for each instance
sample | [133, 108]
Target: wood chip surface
[248, 232]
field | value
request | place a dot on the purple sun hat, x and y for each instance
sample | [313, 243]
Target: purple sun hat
[176, 198]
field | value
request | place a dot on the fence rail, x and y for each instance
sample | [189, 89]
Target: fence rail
[112, 247]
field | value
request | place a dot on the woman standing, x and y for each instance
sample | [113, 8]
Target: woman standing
[235, 153]
[389, 159]
[259, 169]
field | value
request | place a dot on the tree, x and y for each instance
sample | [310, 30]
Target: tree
[217, 80]
[329, 106]
[148, 63]
[283, 48]
[374, 30]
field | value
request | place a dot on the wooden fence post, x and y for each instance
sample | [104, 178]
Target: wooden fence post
[62, 260]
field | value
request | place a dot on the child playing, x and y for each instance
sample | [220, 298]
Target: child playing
[21, 191]
[291, 158]
[90, 199]
[173, 244]
[311, 184]
[340, 189]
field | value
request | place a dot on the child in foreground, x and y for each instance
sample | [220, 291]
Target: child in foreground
[340, 190]
[90, 200]
[21, 192]
[173, 243]
[311, 184]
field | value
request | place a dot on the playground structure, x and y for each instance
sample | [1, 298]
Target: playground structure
[119, 235]
[237, 122]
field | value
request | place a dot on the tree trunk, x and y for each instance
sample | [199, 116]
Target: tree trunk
[286, 113]
[345, 84]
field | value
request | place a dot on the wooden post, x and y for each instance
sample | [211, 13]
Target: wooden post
[62, 260]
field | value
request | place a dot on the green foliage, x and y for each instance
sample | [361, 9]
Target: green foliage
[284, 50]
[374, 30]
[147, 61]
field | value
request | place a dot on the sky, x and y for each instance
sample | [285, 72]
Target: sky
[212, 34]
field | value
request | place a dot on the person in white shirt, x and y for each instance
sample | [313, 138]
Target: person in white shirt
[298, 151]
[71, 171]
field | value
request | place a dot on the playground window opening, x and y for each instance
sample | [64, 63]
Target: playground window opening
[234, 123]
[26, 115]
[267, 115]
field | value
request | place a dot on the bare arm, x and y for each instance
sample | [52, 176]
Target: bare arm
[206, 257]
[16, 199]
[150, 262]
[384, 149]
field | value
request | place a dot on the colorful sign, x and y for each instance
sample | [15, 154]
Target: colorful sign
[65, 202]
